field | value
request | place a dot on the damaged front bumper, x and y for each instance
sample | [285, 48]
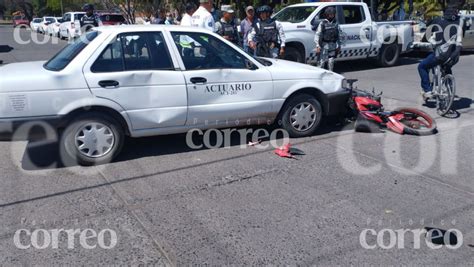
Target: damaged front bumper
[337, 103]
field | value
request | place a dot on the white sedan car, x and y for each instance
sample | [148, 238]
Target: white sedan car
[43, 28]
[154, 80]
[53, 27]
[35, 24]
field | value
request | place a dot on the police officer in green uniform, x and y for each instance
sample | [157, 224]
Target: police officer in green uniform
[327, 39]
[267, 37]
[225, 26]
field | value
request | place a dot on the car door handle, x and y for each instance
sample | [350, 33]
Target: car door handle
[198, 80]
[109, 84]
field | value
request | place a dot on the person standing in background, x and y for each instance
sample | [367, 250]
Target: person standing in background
[327, 39]
[225, 27]
[246, 26]
[169, 19]
[202, 18]
[267, 37]
[187, 19]
[159, 17]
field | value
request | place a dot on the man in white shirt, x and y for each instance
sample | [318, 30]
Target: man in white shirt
[202, 18]
[187, 19]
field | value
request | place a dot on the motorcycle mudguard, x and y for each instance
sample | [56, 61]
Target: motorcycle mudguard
[395, 125]
[370, 116]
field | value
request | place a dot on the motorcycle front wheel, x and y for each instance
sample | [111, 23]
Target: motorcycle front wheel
[415, 121]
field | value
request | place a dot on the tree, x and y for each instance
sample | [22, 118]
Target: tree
[129, 8]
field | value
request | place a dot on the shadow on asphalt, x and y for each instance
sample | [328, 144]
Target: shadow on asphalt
[458, 104]
[5, 48]
[368, 64]
[41, 154]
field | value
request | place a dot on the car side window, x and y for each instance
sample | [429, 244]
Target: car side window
[204, 51]
[321, 15]
[110, 60]
[134, 51]
[352, 14]
[160, 56]
[67, 17]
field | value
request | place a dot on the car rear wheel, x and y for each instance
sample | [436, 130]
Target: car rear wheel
[389, 54]
[91, 139]
[292, 54]
[301, 115]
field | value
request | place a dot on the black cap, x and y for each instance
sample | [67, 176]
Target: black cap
[190, 6]
[88, 7]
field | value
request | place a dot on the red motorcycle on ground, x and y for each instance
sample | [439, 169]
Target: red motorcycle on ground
[370, 115]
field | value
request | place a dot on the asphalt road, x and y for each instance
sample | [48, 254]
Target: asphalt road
[169, 204]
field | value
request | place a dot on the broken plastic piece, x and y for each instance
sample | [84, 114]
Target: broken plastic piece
[254, 143]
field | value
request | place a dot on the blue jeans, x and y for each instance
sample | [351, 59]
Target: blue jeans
[424, 70]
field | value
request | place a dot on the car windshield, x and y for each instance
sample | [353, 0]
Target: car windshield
[68, 53]
[294, 14]
[37, 20]
[49, 19]
[17, 17]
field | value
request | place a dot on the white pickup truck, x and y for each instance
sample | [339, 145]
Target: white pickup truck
[361, 36]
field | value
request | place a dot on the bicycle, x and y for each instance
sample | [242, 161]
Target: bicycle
[444, 88]
[442, 82]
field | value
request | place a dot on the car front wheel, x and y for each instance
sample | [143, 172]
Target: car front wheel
[301, 115]
[91, 139]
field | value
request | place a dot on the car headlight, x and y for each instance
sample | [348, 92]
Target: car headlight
[344, 84]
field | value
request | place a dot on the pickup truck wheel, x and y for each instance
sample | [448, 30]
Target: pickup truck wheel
[91, 139]
[292, 54]
[301, 115]
[389, 54]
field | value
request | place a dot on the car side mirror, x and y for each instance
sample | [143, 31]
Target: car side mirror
[315, 23]
[249, 65]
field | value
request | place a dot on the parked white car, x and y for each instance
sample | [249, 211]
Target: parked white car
[71, 26]
[53, 28]
[43, 28]
[361, 37]
[141, 80]
[35, 24]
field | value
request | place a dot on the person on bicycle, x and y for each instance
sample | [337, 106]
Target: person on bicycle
[444, 29]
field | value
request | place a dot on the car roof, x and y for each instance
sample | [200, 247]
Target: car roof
[315, 4]
[152, 27]
[108, 13]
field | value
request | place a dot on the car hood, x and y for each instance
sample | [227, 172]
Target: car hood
[289, 70]
[32, 76]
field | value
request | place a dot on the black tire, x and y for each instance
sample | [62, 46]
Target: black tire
[69, 151]
[285, 118]
[409, 129]
[445, 101]
[365, 126]
[389, 55]
[292, 54]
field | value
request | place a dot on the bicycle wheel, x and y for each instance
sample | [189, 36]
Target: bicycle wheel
[415, 121]
[445, 97]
